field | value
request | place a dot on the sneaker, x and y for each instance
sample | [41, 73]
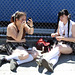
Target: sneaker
[2, 60]
[13, 65]
[48, 66]
[39, 60]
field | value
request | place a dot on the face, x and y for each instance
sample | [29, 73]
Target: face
[21, 20]
[63, 18]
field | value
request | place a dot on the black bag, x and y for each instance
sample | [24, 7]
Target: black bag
[2, 48]
[42, 45]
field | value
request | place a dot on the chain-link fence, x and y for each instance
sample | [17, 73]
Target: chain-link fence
[43, 12]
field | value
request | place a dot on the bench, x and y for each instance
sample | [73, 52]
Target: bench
[38, 33]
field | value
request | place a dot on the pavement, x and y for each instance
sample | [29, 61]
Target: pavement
[65, 66]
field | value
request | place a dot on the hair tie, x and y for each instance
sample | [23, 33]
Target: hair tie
[15, 14]
[69, 16]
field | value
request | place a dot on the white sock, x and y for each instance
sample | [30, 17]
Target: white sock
[12, 57]
[54, 52]
[30, 58]
[54, 60]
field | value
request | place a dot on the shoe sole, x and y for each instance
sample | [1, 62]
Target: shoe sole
[46, 65]
[2, 60]
[12, 65]
[38, 62]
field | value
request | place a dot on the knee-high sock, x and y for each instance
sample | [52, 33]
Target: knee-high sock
[30, 58]
[54, 52]
[54, 60]
[12, 57]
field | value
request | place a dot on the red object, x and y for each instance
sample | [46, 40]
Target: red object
[41, 43]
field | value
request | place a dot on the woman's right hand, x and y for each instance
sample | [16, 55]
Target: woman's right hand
[53, 35]
[23, 24]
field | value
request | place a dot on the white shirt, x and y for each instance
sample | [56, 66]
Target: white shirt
[64, 28]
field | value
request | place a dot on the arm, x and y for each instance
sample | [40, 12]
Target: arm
[29, 29]
[72, 39]
[69, 39]
[55, 34]
[11, 31]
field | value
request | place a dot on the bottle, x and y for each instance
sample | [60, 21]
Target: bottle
[43, 49]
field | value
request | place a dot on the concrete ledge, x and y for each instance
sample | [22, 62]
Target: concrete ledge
[38, 33]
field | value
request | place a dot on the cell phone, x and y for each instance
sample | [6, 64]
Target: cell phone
[29, 18]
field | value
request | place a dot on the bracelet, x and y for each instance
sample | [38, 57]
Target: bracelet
[31, 27]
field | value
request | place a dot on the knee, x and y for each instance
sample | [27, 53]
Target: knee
[23, 56]
[35, 54]
[60, 48]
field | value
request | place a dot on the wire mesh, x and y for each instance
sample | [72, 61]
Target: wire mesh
[43, 12]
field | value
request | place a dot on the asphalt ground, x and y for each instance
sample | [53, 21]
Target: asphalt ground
[65, 66]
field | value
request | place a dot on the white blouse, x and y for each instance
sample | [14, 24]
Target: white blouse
[64, 28]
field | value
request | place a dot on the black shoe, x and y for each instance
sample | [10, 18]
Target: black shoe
[48, 66]
[2, 60]
[39, 60]
[13, 65]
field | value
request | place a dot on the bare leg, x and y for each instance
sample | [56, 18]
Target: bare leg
[21, 52]
[65, 49]
[33, 53]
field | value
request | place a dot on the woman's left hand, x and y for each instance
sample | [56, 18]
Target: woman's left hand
[30, 22]
[59, 38]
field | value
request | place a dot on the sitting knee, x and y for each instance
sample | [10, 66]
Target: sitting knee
[59, 48]
[23, 56]
[35, 54]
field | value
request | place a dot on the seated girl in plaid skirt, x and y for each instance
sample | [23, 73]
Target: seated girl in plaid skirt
[16, 43]
[65, 36]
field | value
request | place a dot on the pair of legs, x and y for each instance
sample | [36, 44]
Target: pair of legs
[22, 55]
[53, 56]
[19, 56]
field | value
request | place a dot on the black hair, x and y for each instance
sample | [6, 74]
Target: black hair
[61, 13]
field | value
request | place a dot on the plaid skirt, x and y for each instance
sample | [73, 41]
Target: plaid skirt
[71, 44]
[10, 46]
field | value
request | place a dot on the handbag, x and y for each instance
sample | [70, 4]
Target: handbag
[43, 45]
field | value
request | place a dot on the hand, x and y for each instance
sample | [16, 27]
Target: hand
[30, 22]
[23, 24]
[53, 35]
[59, 38]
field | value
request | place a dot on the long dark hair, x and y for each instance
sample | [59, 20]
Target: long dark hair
[17, 15]
[61, 13]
